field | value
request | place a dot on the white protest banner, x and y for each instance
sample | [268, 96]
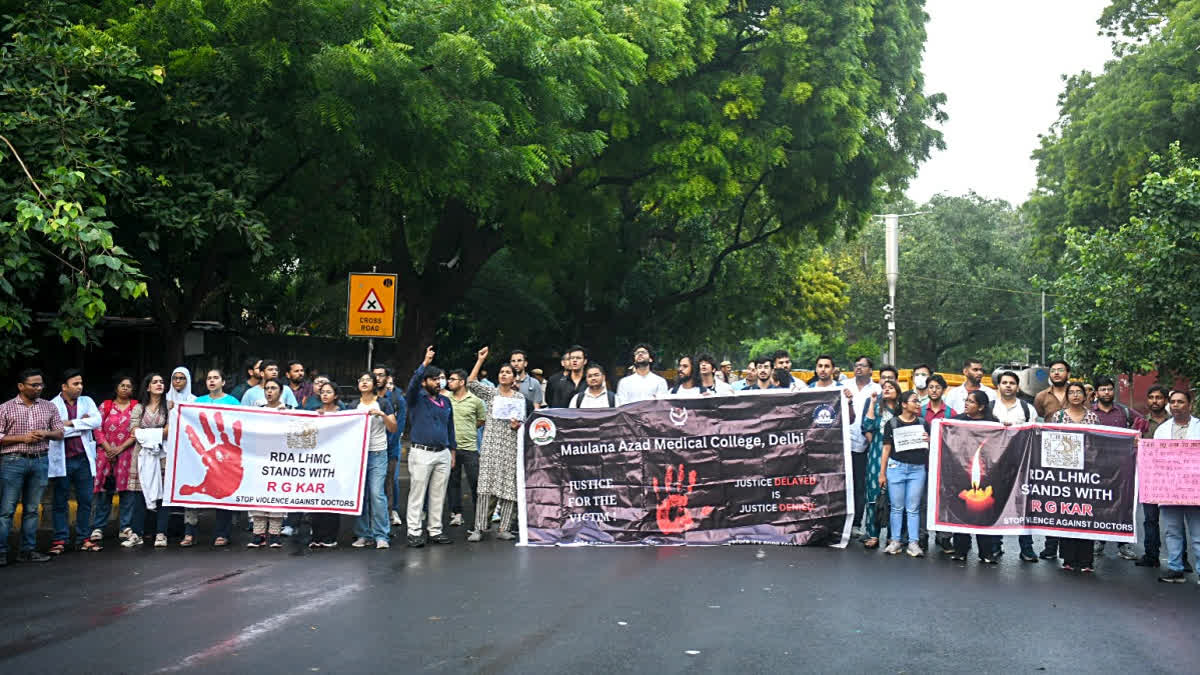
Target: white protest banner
[266, 460]
[508, 408]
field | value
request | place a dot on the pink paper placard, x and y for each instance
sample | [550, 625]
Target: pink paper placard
[1169, 472]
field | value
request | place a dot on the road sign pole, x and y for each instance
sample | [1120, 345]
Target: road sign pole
[370, 352]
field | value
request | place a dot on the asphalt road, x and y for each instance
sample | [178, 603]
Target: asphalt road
[495, 608]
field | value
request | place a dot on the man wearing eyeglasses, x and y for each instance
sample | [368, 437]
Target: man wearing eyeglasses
[1053, 398]
[27, 425]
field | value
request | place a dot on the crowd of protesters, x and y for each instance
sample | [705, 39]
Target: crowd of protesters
[462, 426]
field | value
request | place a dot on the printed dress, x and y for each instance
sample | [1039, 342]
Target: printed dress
[883, 415]
[115, 430]
[498, 456]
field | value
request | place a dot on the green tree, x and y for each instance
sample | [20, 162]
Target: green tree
[1128, 297]
[64, 133]
[1110, 123]
[964, 288]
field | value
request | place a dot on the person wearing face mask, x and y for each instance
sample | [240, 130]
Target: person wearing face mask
[507, 408]
[920, 377]
[431, 453]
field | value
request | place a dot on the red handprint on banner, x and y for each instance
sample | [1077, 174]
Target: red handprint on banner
[223, 461]
[673, 514]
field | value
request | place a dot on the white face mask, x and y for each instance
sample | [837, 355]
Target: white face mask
[920, 380]
[442, 382]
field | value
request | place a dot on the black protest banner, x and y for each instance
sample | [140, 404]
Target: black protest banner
[731, 469]
[1064, 480]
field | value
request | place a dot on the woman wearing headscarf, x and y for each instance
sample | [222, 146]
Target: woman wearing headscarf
[181, 392]
[877, 412]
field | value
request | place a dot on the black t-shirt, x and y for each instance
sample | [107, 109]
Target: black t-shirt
[915, 456]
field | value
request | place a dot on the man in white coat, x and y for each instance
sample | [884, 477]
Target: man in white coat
[1181, 427]
[72, 463]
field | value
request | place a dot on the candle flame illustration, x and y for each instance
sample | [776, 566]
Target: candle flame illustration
[976, 470]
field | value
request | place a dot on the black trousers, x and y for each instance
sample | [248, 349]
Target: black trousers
[988, 543]
[858, 461]
[1077, 553]
[325, 527]
[465, 461]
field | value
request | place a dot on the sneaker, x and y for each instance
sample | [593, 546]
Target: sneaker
[893, 547]
[1099, 548]
[330, 544]
[160, 540]
[475, 535]
[442, 539]
[315, 544]
[97, 535]
[275, 541]
[989, 560]
[506, 536]
[396, 519]
[1047, 554]
[125, 534]
[1173, 577]
[415, 542]
[132, 540]
[382, 543]
[946, 544]
[1028, 556]
[257, 541]
[914, 549]
[32, 556]
[1147, 561]
[456, 520]
[287, 531]
[361, 542]
[1126, 551]
[958, 557]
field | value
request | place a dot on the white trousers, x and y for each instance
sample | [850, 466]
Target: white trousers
[428, 472]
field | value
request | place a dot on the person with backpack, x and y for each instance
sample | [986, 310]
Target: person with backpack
[934, 407]
[1008, 409]
[597, 394]
[1113, 414]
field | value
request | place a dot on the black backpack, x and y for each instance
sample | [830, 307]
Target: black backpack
[612, 399]
[1025, 408]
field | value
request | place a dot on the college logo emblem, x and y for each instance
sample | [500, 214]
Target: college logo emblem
[679, 416]
[824, 415]
[542, 431]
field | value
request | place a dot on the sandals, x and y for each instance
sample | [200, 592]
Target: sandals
[57, 547]
[89, 545]
[188, 540]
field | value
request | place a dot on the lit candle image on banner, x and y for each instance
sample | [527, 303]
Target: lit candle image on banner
[978, 500]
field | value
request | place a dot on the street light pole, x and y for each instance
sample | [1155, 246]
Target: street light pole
[891, 224]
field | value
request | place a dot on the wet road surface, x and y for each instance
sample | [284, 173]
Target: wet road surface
[495, 608]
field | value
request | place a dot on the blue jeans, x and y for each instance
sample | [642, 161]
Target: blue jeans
[79, 476]
[373, 523]
[24, 480]
[1174, 518]
[906, 486]
[131, 510]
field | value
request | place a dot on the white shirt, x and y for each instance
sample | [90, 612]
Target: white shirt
[858, 442]
[957, 397]
[1166, 430]
[636, 387]
[589, 401]
[720, 388]
[1013, 415]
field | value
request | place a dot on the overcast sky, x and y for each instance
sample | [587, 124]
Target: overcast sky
[1000, 65]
